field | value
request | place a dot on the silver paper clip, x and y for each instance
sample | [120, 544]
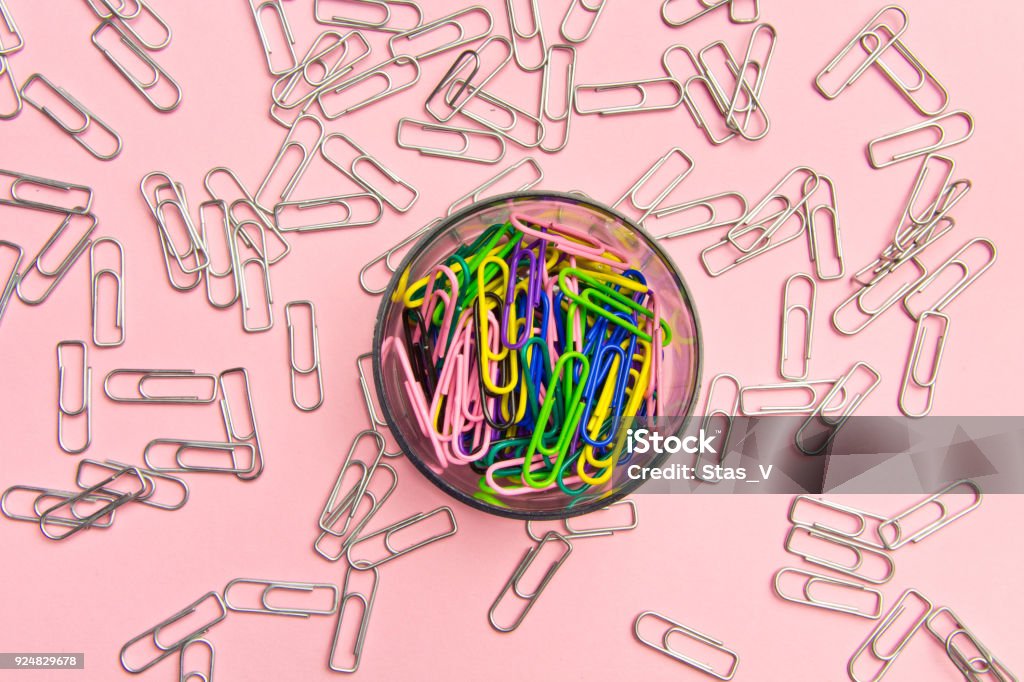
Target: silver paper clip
[6, 75]
[648, 207]
[936, 124]
[388, 532]
[383, 7]
[642, 88]
[7, 290]
[591, 12]
[806, 311]
[347, 204]
[486, 189]
[56, 275]
[258, 10]
[16, 41]
[142, 376]
[183, 446]
[478, 76]
[387, 259]
[530, 598]
[84, 406]
[270, 586]
[510, 121]
[161, 649]
[535, 33]
[439, 26]
[883, 17]
[314, 368]
[925, 77]
[892, 532]
[186, 673]
[831, 209]
[809, 599]
[51, 190]
[231, 424]
[292, 141]
[857, 551]
[96, 276]
[832, 425]
[571, 532]
[911, 376]
[383, 71]
[79, 130]
[366, 607]
[462, 136]
[710, 413]
[350, 169]
[870, 645]
[972, 667]
[562, 114]
[860, 530]
[118, 500]
[677, 628]
[710, 204]
[956, 261]
[144, 85]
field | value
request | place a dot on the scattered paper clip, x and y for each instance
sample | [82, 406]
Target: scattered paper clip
[677, 628]
[806, 311]
[366, 607]
[463, 136]
[408, 39]
[161, 650]
[294, 369]
[530, 598]
[911, 376]
[96, 276]
[83, 408]
[809, 599]
[144, 84]
[79, 130]
[870, 645]
[188, 377]
[936, 124]
[388, 532]
[892, 531]
[590, 11]
[271, 586]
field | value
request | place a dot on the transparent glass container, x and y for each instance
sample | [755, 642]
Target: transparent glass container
[681, 360]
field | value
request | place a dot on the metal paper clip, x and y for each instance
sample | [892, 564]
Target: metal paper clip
[347, 203]
[534, 33]
[262, 219]
[350, 169]
[366, 608]
[709, 204]
[641, 87]
[439, 26]
[833, 425]
[49, 187]
[745, 91]
[567, 532]
[973, 668]
[314, 368]
[384, 7]
[119, 500]
[678, 628]
[486, 189]
[79, 130]
[183, 446]
[7, 75]
[463, 136]
[936, 124]
[479, 76]
[387, 259]
[156, 72]
[748, 410]
[187, 376]
[817, 578]
[955, 261]
[211, 272]
[705, 8]
[263, 265]
[128, 20]
[869, 313]
[807, 312]
[231, 426]
[770, 242]
[856, 549]
[41, 495]
[831, 209]
[880, 19]
[591, 11]
[897, 538]
[632, 194]
[80, 479]
[95, 277]
[871, 644]
[910, 373]
[56, 274]
[517, 124]
[337, 503]
[924, 74]
[270, 586]
[383, 71]
[764, 227]
[152, 477]
[188, 674]
[716, 412]
[18, 41]
[332, 543]
[84, 408]
[12, 280]
[257, 13]
[548, 112]
[319, 67]
[859, 531]
[388, 531]
[164, 650]
[530, 598]
[292, 141]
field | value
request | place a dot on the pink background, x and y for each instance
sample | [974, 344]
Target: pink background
[704, 561]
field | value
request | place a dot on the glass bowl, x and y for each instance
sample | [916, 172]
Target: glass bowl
[679, 372]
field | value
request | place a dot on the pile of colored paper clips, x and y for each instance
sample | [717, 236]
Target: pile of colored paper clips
[525, 352]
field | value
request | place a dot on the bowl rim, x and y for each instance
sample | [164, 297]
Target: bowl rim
[569, 512]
